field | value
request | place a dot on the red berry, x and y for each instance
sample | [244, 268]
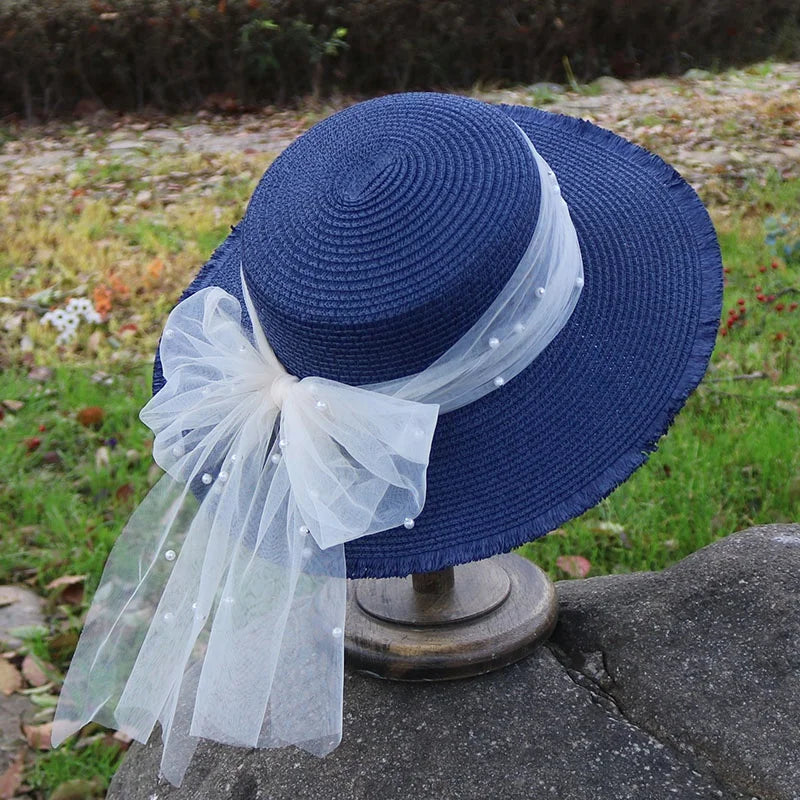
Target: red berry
[770, 297]
[761, 298]
[730, 323]
[792, 306]
[779, 306]
[32, 443]
[762, 269]
[42, 428]
[775, 265]
[726, 270]
[723, 332]
[779, 337]
[756, 288]
[740, 301]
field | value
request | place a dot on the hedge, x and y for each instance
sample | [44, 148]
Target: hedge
[173, 54]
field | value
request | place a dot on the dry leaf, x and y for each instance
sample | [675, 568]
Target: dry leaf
[32, 672]
[94, 341]
[102, 299]
[574, 566]
[11, 779]
[607, 527]
[38, 736]
[10, 679]
[125, 492]
[70, 589]
[13, 405]
[102, 457]
[91, 416]
[155, 269]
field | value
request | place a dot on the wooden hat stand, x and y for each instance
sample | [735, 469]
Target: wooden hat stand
[455, 623]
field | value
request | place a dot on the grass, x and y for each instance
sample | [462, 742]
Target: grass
[731, 460]
[71, 479]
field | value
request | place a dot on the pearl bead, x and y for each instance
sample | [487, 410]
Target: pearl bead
[519, 328]
[494, 343]
[242, 348]
[178, 450]
[169, 332]
[169, 616]
[170, 555]
[223, 476]
[206, 478]
[321, 405]
[283, 444]
[337, 633]
[234, 458]
[408, 523]
[540, 291]
[499, 380]
[304, 530]
[228, 601]
[275, 458]
[579, 282]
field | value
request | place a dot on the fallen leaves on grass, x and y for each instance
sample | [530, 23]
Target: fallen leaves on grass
[10, 678]
[574, 566]
[13, 405]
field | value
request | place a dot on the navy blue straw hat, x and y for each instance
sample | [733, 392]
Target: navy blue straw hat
[376, 240]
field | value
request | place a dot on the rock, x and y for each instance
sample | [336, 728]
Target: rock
[19, 608]
[13, 710]
[527, 731]
[608, 85]
[697, 75]
[545, 88]
[162, 135]
[704, 655]
[683, 683]
[126, 144]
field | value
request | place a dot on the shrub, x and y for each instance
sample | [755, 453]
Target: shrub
[172, 54]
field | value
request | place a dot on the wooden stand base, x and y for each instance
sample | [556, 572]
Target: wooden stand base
[450, 624]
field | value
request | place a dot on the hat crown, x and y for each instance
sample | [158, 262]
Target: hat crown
[377, 238]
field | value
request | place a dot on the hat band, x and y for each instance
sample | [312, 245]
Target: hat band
[221, 609]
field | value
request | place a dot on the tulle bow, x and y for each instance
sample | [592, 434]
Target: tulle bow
[221, 609]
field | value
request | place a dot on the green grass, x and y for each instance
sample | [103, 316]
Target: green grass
[61, 504]
[86, 766]
[732, 457]
[731, 460]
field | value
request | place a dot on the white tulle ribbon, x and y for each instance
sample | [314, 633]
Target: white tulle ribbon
[220, 613]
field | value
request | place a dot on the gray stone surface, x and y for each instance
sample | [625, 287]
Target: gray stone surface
[705, 655]
[525, 732]
[681, 684]
[19, 608]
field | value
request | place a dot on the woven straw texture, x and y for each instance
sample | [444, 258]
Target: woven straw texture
[377, 238]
